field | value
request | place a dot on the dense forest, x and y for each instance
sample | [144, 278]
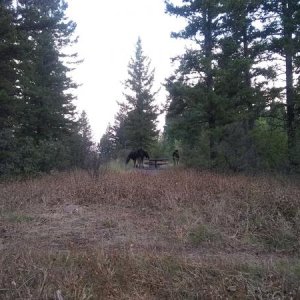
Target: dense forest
[233, 101]
[39, 129]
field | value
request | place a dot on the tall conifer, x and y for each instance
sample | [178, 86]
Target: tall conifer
[198, 65]
[139, 121]
[48, 108]
[9, 100]
[284, 31]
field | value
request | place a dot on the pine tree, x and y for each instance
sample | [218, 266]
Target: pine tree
[220, 89]
[37, 118]
[284, 36]
[48, 109]
[9, 94]
[241, 81]
[197, 66]
[139, 125]
[46, 125]
[85, 138]
[81, 144]
[119, 127]
[107, 145]
[8, 76]
[242, 48]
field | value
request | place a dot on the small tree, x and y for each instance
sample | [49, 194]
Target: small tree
[107, 145]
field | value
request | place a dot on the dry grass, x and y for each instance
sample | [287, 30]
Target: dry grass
[174, 234]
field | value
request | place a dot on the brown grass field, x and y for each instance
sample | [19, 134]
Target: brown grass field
[170, 234]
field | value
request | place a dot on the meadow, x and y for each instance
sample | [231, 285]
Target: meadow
[138, 234]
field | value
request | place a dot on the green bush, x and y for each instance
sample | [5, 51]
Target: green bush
[271, 144]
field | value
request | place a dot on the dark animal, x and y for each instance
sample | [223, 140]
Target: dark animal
[175, 157]
[137, 157]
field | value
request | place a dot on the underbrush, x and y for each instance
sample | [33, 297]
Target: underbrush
[265, 209]
[119, 274]
[231, 236]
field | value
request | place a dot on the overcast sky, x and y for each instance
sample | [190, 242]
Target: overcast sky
[108, 32]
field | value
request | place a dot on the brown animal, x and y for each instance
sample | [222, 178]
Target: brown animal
[175, 157]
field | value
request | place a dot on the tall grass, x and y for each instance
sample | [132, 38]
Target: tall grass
[137, 234]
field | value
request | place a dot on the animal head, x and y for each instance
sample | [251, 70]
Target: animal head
[142, 153]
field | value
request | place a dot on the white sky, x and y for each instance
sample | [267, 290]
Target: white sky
[108, 32]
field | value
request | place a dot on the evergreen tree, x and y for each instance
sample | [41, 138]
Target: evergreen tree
[48, 109]
[47, 121]
[284, 30]
[83, 141]
[9, 102]
[137, 123]
[37, 114]
[241, 49]
[241, 81]
[107, 145]
[221, 89]
[119, 127]
[8, 76]
[197, 70]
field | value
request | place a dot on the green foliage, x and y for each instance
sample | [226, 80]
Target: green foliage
[236, 148]
[160, 149]
[271, 142]
[27, 157]
[38, 131]
[107, 146]
[284, 41]
[220, 97]
[81, 143]
[135, 125]
[47, 108]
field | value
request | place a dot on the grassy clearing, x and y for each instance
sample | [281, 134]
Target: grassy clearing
[174, 234]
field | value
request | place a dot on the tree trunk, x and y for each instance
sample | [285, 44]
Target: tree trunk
[290, 97]
[208, 46]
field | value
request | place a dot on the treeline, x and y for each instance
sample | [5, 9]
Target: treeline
[234, 99]
[39, 129]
